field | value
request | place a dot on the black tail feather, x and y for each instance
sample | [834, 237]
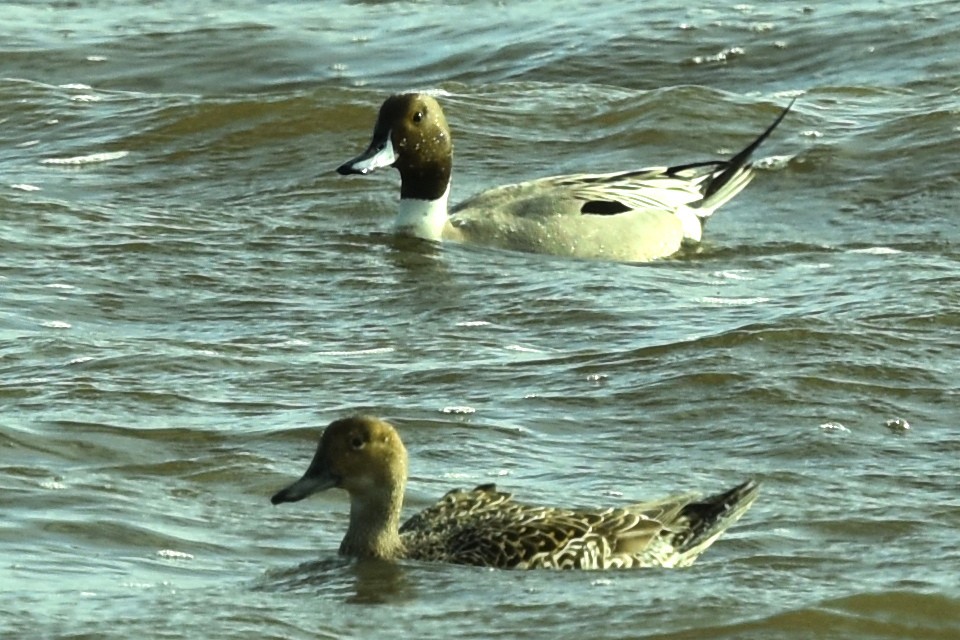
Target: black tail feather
[734, 164]
[714, 511]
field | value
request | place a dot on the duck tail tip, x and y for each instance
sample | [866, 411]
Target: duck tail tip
[738, 163]
[712, 516]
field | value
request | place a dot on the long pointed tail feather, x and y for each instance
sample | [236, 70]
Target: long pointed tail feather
[728, 177]
[739, 161]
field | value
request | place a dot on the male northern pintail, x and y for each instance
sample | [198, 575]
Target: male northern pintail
[485, 527]
[628, 216]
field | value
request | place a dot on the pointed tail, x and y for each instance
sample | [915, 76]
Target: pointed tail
[709, 518]
[729, 177]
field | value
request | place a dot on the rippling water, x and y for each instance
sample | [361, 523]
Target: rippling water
[188, 293]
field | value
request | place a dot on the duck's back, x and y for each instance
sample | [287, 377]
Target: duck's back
[628, 216]
[485, 527]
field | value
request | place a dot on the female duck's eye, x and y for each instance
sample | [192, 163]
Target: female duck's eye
[418, 116]
[357, 442]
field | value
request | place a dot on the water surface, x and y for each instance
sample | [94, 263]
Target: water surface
[188, 293]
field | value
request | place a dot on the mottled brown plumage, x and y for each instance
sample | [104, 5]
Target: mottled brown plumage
[486, 527]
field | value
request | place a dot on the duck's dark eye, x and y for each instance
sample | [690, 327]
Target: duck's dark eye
[418, 116]
[357, 442]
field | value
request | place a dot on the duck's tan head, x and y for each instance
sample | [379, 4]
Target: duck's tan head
[412, 135]
[361, 454]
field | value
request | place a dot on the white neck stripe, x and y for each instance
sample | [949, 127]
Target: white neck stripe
[423, 218]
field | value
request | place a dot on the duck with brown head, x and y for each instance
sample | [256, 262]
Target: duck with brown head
[364, 456]
[630, 216]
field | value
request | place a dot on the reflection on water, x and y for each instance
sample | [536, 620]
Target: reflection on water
[348, 579]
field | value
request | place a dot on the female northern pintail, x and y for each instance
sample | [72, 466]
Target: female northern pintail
[628, 216]
[484, 527]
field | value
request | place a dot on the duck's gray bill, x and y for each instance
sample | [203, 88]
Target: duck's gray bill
[304, 487]
[377, 156]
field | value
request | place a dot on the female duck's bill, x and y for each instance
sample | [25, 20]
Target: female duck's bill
[364, 456]
[633, 216]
